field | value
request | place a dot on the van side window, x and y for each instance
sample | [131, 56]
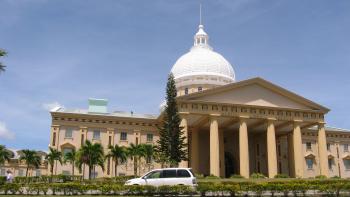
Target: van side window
[183, 173]
[169, 174]
[154, 175]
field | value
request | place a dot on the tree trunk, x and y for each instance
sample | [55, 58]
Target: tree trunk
[51, 169]
[90, 168]
[27, 171]
[83, 171]
[135, 166]
[56, 167]
[115, 168]
[94, 171]
[73, 168]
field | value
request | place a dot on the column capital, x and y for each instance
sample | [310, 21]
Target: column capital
[184, 113]
[271, 120]
[321, 124]
[243, 118]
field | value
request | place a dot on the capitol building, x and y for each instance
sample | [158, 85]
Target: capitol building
[232, 127]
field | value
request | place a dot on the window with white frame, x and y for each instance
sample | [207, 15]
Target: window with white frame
[149, 137]
[68, 133]
[21, 172]
[96, 135]
[37, 172]
[66, 150]
[309, 163]
[347, 164]
[186, 90]
[346, 147]
[330, 163]
[308, 146]
[123, 136]
[66, 172]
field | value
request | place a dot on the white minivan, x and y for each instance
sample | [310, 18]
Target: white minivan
[166, 176]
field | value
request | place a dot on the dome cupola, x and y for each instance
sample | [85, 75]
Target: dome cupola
[201, 68]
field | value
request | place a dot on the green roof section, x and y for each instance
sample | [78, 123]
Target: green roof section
[98, 105]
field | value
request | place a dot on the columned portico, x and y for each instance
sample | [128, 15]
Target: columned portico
[243, 148]
[214, 146]
[271, 149]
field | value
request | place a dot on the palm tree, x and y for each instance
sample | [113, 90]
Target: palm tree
[71, 157]
[53, 156]
[135, 152]
[148, 153]
[92, 155]
[31, 158]
[118, 154]
[5, 155]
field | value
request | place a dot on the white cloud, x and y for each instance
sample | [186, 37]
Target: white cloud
[5, 133]
[52, 106]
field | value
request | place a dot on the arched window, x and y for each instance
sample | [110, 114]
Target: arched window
[200, 89]
[186, 90]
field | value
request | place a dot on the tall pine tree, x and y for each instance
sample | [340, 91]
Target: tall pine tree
[171, 144]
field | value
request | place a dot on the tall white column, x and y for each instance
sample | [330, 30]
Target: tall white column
[214, 147]
[322, 150]
[271, 149]
[297, 149]
[183, 124]
[243, 148]
[194, 151]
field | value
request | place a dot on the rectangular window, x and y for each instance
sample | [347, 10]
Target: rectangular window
[96, 135]
[66, 150]
[308, 146]
[123, 136]
[20, 172]
[309, 163]
[3, 172]
[109, 140]
[328, 146]
[69, 133]
[346, 147]
[149, 137]
[257, 149]
[66, 172]
[54, 139]
[347, 164]
[279, 149]
[330, 162]
[38, 172]
[169, 174]
[280, 167]
[82, 140]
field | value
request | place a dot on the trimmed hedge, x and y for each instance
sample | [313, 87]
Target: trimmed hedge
[329, 187]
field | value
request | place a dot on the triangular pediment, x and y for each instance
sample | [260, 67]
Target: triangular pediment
[254, 92]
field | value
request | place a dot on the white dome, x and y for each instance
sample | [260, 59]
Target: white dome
[202, 61]
[201, 65]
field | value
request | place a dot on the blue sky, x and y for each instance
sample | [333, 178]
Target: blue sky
[63, 52]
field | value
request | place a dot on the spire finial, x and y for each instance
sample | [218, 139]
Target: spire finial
[200, 14]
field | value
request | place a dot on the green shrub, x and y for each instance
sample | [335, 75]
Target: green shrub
[281, 176]
[199, 176]
[257, 176]
[236, 176]
[212, 177]
[320, 177]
